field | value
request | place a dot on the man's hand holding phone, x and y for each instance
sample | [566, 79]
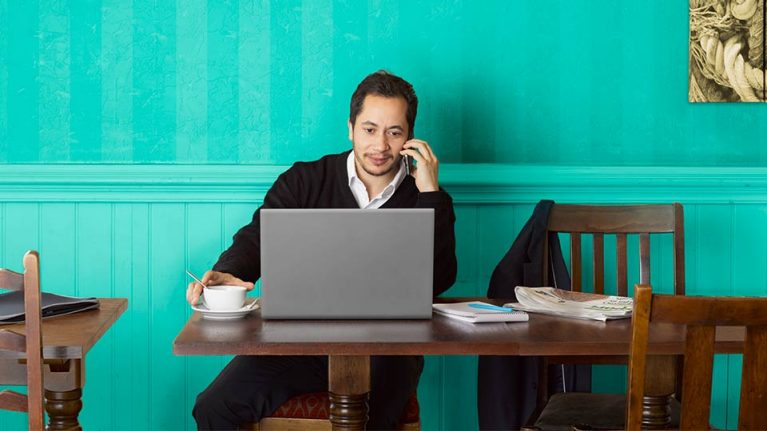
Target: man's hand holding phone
[426, 173]
[213, 278]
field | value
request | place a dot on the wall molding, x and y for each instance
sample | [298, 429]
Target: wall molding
[467, 183]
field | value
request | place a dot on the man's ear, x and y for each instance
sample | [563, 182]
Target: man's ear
[351, 130]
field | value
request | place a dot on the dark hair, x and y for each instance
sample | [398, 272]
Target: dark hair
[385, 84]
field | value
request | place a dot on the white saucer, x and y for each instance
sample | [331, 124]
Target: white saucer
[250, 305]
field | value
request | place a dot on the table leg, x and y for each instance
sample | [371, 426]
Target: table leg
[63, 409]
[660, 385]
[348, 388]
[63, 393]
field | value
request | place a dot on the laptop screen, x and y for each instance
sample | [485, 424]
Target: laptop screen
[346, 263]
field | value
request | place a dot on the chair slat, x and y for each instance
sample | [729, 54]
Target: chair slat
[620, 259]
[11, 280]
[644, 258]
[13, 401]
[753, 396]
[13, 341]
[599, 263]
[575, 261]
[679, 284]
[698, 365]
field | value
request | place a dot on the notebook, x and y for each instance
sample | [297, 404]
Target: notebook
[347, 263]
[12, 305]
[480, 312]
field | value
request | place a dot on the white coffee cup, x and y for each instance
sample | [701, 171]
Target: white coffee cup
[223, 297]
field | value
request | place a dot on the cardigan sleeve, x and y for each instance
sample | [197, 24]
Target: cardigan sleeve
[243, 258]
[445, 262]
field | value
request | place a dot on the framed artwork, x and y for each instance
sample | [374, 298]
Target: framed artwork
[727, 61]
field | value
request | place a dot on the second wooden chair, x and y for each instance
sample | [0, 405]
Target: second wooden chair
[701, 316]
[27, 345]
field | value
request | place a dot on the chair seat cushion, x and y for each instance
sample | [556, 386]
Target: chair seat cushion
[316, 405]
[597, 411]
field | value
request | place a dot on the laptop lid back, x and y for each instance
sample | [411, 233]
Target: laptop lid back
[346, 263]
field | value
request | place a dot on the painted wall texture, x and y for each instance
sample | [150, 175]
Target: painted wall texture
[226, 94]
[593, 82]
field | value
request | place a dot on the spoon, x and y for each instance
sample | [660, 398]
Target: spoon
[196, 279]
[252, 304]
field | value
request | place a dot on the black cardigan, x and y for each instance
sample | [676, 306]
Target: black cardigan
[325, 184]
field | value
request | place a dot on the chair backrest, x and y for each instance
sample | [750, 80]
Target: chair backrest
[701, 315]
[618, 220]
[29, 344]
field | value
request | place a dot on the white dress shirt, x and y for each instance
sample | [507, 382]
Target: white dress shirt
[361, 193]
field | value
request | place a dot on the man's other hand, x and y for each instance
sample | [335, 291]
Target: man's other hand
[213, 278]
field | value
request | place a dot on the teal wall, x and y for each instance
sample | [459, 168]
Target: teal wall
[578, 100]
[586, 82]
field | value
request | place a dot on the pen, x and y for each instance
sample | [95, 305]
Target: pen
[490, 307]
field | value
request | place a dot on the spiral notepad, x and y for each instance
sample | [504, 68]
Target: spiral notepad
[479, 312]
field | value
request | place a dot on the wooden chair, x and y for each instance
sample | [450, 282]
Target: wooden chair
[701, 315]
[29, 345]
[309, 412]
[598, 221]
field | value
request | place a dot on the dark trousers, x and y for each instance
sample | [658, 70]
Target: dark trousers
[252, 387]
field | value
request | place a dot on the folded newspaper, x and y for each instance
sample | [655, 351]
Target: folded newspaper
[579, 305]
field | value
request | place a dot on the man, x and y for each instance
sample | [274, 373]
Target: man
[372, 175]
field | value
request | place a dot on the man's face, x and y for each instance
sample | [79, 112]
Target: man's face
[378, 135]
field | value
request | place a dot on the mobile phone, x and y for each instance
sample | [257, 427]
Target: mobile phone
[408, 159]
[407, 164]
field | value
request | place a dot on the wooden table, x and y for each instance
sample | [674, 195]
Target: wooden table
[66, 340]
[349, 345]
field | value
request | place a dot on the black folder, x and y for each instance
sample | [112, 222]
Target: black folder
[12, 306]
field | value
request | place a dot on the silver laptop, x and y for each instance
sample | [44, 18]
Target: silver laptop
[347, 263]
